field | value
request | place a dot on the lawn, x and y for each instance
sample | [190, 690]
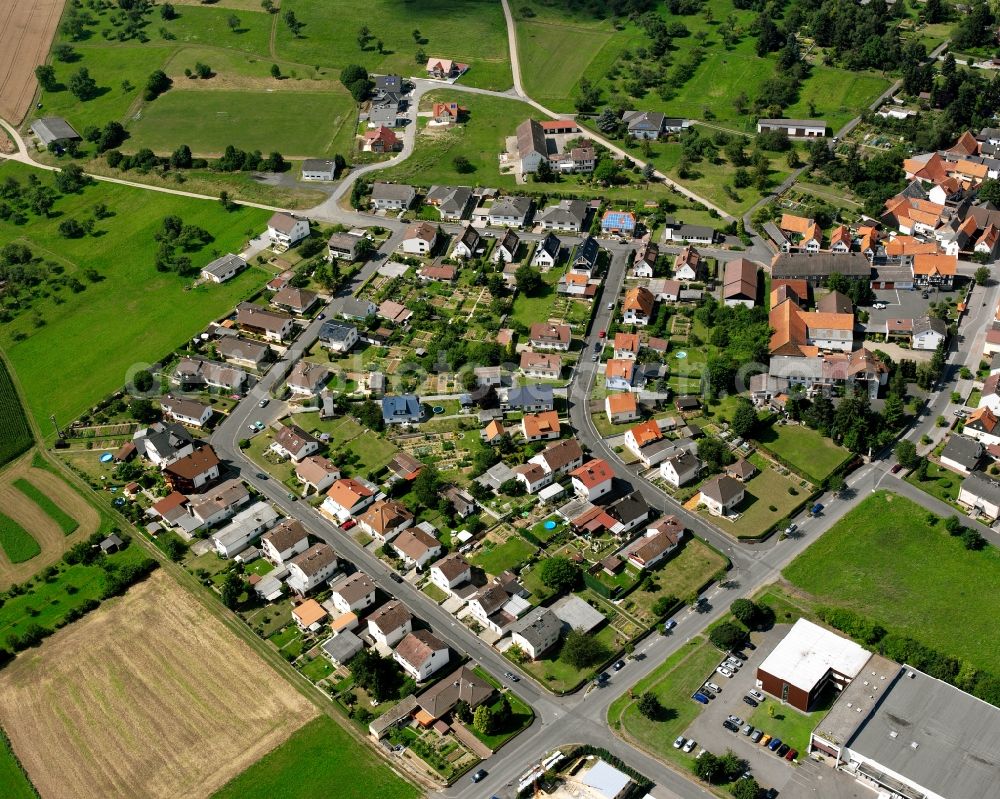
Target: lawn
[805, 450]
[15, 432]
[16, 542]
[512, 552]
[248, 120]
[468, 31]
[79, 347]
[787, 723]
[681, 576]
[941, 482]
[539, 306]
[320, 759]
[15, 784]
[559, 676]
[883, 560]
[521, 717]
[766, 490]
[672, 683]
[66, 522]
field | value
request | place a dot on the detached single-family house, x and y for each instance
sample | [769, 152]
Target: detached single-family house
[626, 345]
[348, 497]
[537, 632]
[450, 201]
[286, 230]
[163, 443]
[794, 128]
[619, 374]
[981, 493]
[390, 623]
[499, 603]
[444, 68]
[506, 250]
[545, 336]
[566, 215]
[337, 336]
[185, 411]
[644, 265]
[527, 399]
[644, 124]
[193, 472]
[316, 473]
[343, 247]
[295, 300]
[982, 425]
[509, 211]
[392, 196]
[721, 494]
[420, 238]
[540, 364]
[928, 332]
[386, 519]
[243, 351]
[421, 654]
[284, 542]
[592, 480]
[618, 223]
[293, 442]
[314, 566]
[381, 140]
[224, 268]
[467, 243]
[307, 379]
[401, 409]
[637, 308]
[540, 426]
[451, 571]
[658, 542]
[353, 593]
[962, 454]
[309, 615]
[687, 264]
[271, 325]
[621, 407]
[192, 373]
[547, 253]
[417, 547]
[680, 468]
[740, 283]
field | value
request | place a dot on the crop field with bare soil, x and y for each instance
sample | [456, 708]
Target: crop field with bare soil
[148, 696]
[26, 30]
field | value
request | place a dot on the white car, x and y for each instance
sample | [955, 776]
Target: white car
[755, 694]
[711, 686]
[689, 746]
[881, 306]
[679, 742]
[724, 671]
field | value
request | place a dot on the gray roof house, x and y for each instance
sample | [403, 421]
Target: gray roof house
[224, 268]
[393, 196]
[537, 632]
[401, 409]
[384, 114]
[566, 215]
[962, 454]
[529, 398]
[53, 129]
[644, 124]
[510, 211]
[388, 83]
[353, 308]
[450, 201]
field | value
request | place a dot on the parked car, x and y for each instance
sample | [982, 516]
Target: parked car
[775, 743]
[756, 695]
[321, 316]
[783, 750]
[730, 726]
[395, 577]
[261, 476]
[791, 754]
[735, 720]
[611, 306]
[688, 746]
[791, 529]
[679, 741]
[896, 468]
[711, 686]
[724, 671]
[732, 662]
[619, 665]
[598, 346]
[740, 656]
[750, 701]
[770, 793]
[756, 735]
[747, 730]
[698, 696]
[878, 304]
[479, 776]
[348, 524]
[603, 677]
[602, 334]
[595, 357]
[765, 739]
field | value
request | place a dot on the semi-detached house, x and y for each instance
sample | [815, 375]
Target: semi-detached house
[314, 566]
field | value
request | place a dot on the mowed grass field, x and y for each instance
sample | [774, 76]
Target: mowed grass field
[66, 522]
[135, 315]
[468, 31]
[150, 695]
[15, 432]
[321, 759]
[207, 121]
[883, 560]
[16, 542]
[810, 453]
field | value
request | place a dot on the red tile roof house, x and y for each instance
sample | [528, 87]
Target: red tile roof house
[194, 471]
[347, 497]
[593, 479]
[438, 272]
[417, 547]
[420, 238]
[540, 426]
[293, 442]
[658, 542]
[540, 364]
[447, 113]
[621, 407]
[386, 519]
[444, 68]
[547, 336]
[381, 140]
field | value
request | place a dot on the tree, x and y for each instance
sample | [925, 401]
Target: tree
[462, 165]
[156, 84]
[232, 587]
[71, 229]
[483, 719]
[728, 636]
[708, 768]
[981, 275]
[233, 22]
[544, 173]
[650, 706]
[364, 36]
[834, 483]
[953, 525]
[82, 86]
[713, 453]
[744, 417]
[462, 711]
[745, 611]
[529, 280]
[582, 651]
[427, 485]
[745, 788]
[63, 52]
[167, 12]
[142, 381]
[46, 75]
[275, 71]
[181, 158]
[203, 71]
[663, 605]
[560, 574]
[268, 6]
[112, 135]
[293, 23]
[70, 179]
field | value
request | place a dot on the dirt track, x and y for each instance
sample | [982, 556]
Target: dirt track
[148, 696]
[33, 519]
[26, 30]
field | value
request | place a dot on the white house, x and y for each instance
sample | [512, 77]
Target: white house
[982, 425]
[680, 468]
[537, 632]
[506, 249]
[351, 594]
[224, 268]
[420, 238]
[312, 567]
[593, 479]
[659, 541]
[347, 497]
[338, 337]
[316, 473]
[721, 494]
[285, 230]
[293, 442]
[498, 604]
[547, 253]
[185, 411]
[307, 378]
[318, 169]
[928, 332]
[452, 570]
[392, 196]
[390, 623]
[284, 542]
[417, 547]
[981, 493]
[245, 526]
[621, 407]
[421, 654]
[638, 305]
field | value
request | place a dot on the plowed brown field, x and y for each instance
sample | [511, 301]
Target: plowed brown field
[149, 696]
[26, 30]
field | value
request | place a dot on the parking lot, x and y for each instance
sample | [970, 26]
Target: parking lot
[903, 304]
[807, 778]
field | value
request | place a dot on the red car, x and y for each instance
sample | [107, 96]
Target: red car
[896, 468]
[791, 755]
[348, 524]
[602, 334]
